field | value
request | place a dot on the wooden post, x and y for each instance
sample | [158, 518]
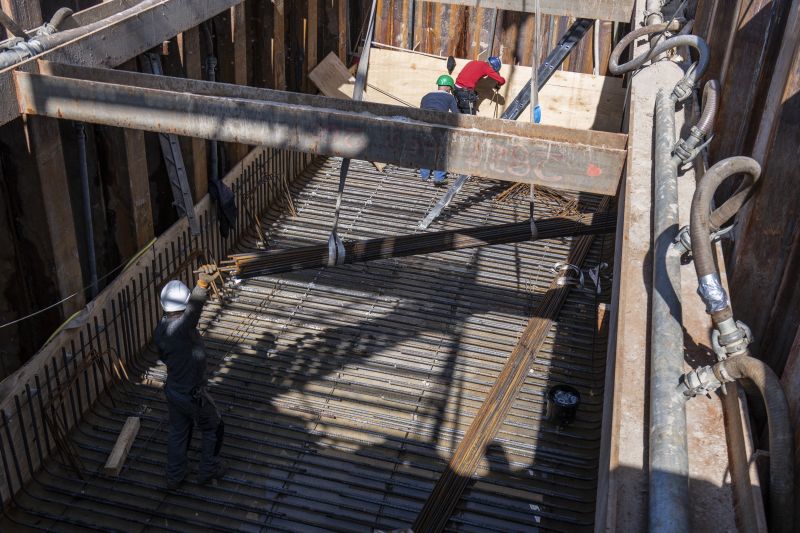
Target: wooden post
[139, 183]
[279, 46]
[26, 13]
[45, 144]
[242, 59]
[312, 31]
[343, 31]
[193, 65]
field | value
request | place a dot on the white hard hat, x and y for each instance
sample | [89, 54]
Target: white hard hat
[174, 296]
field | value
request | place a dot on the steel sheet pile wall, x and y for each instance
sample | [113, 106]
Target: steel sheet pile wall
[47, 397]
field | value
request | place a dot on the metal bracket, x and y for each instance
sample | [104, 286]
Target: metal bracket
[176, 168]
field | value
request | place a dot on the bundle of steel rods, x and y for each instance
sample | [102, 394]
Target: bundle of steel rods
[277, 261]
[484, 427]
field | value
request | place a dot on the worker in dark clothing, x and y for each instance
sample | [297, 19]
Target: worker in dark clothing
[181, 348]
[468, 79]
[440, 100]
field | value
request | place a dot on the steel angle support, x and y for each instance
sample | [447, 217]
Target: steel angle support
[561, 158]
[173, 157]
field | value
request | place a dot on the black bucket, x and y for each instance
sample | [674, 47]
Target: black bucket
[562, 404]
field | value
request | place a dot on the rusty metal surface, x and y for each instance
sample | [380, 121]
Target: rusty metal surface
[344, 390]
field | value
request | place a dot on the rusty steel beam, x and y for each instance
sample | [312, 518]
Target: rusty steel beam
[113, 44]
[511, 151]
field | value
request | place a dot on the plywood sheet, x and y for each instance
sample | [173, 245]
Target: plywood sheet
[571, 100]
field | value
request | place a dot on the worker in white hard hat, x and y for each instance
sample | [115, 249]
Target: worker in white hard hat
[181, 348]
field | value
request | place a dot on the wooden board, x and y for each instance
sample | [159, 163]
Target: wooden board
[570, 100]
[116, 460]
[617, 10]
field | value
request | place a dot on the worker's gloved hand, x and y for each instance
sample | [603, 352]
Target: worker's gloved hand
[206, 275]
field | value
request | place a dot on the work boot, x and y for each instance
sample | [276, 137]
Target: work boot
[217, 473]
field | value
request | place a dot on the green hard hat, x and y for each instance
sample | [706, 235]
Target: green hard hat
[444, 79]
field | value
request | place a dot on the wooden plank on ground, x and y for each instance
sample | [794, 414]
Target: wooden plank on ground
[616, 10]
[116, 460]
[570, 99]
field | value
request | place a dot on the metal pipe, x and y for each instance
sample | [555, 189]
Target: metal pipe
[42, 43]
[211, 75]
[87, 207]
[669, 459]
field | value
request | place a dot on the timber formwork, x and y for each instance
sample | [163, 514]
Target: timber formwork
[345, 390]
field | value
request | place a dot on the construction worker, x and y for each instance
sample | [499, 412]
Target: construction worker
[468, 79]
[441, 99]
[181, 348]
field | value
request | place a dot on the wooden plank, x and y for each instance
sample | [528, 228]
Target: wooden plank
[139, 184]
[26, 13]
[242, 62]
[279, 45]
[570, 100]
[54, 184]
[497, 149]
[312, 30]
[343, 31]
[115, 43]
[615, 10]
[116, 460]
[193, 65]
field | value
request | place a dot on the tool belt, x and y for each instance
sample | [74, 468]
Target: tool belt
[467, 100]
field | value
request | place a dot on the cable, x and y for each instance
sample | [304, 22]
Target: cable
[121, 266]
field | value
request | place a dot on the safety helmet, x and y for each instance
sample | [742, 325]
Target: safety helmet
[495, 63]
[174, 296]
[445, 80]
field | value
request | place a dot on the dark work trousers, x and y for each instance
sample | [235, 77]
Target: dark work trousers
[467, 100]
[186, 411]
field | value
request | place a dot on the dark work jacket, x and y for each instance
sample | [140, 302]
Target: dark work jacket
[181, 347]
[440, 101]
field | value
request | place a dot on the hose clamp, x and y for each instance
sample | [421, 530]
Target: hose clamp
[683, 241]
[700, 381]
[685, 87]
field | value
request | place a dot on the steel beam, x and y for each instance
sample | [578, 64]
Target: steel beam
[505, 150]
[112, 45]
[615, 10]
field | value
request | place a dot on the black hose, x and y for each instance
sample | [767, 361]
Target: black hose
[60, 16]
[12, 27]
[781, 441]
[701, 207]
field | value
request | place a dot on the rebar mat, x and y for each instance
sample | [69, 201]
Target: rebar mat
[344, 390]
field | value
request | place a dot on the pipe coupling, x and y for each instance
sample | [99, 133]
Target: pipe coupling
[733, 342]
[701, 380]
